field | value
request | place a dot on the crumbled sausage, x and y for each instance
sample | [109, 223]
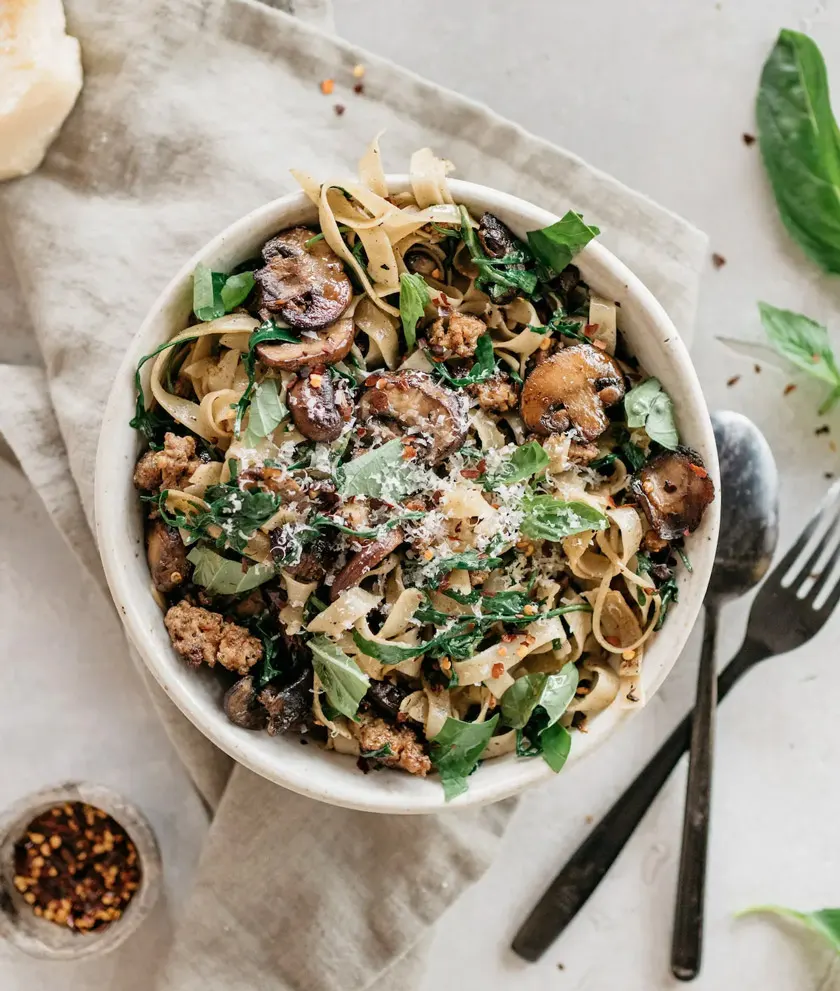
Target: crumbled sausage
[582, 454]
[456, 335]
[170, 468]
[407, 752]
[497, 394]
[200, 635]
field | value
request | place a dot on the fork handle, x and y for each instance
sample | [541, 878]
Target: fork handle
[687, 945]
[569, 891]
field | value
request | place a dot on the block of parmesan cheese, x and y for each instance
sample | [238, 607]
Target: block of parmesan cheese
[40, 78]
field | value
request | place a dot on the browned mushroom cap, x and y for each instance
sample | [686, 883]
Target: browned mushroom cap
[289, 707]
[498, 240]
[317, 412]
[241, 706]
[326, 347]
[436, 416]
[167, 556]
[305, 283]
[420, 260]
[569, 391]
[674, 489]
[365, 560]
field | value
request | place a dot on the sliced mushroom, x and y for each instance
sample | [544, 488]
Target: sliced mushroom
[435, 416]
[241, 705]
[421, 260]
[290, 707]
[318, 410]
[325, 347]
[305, 283]
[569, 391]
[365, 560]
[674, 489]
[498, 240]
[167, 556]
[386, 697]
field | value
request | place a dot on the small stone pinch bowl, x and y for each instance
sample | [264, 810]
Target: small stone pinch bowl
[40, 938]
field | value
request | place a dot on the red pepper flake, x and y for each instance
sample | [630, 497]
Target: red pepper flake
[470, 473]
[734, 380]
[613, 641]
[359, 88]
[409, 452]
[327, 86]
[497, 670]
[698, 470]
[789, 388]
[748, 139]
[718, 260]
[601, 345]
[339, 109]
[591, 329]
[482, 466]
[611, 502]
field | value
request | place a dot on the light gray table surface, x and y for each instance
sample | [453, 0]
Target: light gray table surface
[658, 93]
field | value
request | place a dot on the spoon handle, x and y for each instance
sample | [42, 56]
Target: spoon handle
[687, 945]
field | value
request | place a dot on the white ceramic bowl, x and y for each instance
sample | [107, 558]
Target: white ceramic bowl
[310, 771]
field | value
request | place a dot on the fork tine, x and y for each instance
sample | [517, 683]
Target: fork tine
[809, 569]
[828, 606]
[788, 561]
[827, 570]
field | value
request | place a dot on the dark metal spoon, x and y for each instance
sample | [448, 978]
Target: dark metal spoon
[749, 537]
[748, 534]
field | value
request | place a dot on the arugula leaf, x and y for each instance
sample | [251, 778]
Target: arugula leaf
[528, 460]
[320, 521]
[221, 576]
[266, 332]
[804, 343]
[390, 653]
[384, 751]
[825, 921]
[669, 592]
[382, 473]
[484, 366]
[557, 244]
[238, 513]
[414, 298]
[266, 412]
[470, 560]
[495, 275]
[456, 750]
[556, 742]
[800, 147]
[549, 518]
[648, 405]
[149, 422]
[344, 682]
[551, 692]
[560, 323]
[632, 455]
[236, 290]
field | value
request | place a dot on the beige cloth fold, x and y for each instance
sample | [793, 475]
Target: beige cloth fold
[192, 113]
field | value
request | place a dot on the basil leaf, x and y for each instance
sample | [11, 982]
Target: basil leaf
[267, 331]
[344, 682]
[414, 298]
[553, 692]
[647, 405]
[221, 576]
[484, 366]
[800, 147]
[266, 412]
[804, 343]
[456, 750]
[825, 921]
[236, 289]
[390, 653]
[556, 245]
[549, 518]
[556, 742]
[669, 592]
[382, 473]
[528, 460]
[207, 294]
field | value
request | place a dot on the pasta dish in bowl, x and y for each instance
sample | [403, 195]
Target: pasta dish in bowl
[409, 489]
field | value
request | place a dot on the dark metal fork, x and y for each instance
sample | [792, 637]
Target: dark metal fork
[791, 606]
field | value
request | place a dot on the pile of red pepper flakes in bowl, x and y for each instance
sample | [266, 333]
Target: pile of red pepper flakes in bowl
[77, 867]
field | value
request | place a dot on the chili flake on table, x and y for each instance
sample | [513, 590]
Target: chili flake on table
[77, 867]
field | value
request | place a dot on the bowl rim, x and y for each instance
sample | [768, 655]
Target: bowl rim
[116, 546]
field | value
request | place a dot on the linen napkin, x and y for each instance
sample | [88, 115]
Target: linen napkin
[191, 115]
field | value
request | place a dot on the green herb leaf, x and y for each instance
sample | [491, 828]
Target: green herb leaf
[470, 560]
[456, 751]
[804, 343]
[553, 692]
[266, 332]
[800, 147]
[528, 460]
[560, 323]
[236, 289]
[382, 473]
[825, 921]
[556, 742]
[150, 421]
[390, 653]
[207, 293]
[669, 592]
[266, 412]
[648, 405]
[557, 244]
[384, 751]
[344, 682]
[484, 366]
[221, 576]
[414, 298]
[633, 456]
[320, 522]
[238, 513]
[496, 275]
[549, 518]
